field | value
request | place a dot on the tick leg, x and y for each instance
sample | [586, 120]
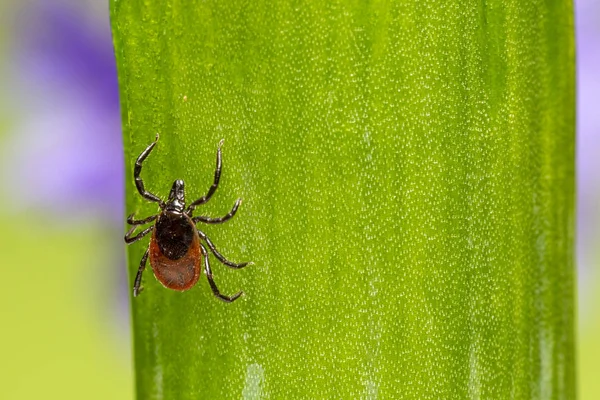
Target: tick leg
[218, 255]
[129, 239]
[132, 221]
[213, 285]
[138, 277]
[214, 186]
[138, 169]
[209, 220]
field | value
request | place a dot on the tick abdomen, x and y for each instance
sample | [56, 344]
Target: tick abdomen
[175, 251]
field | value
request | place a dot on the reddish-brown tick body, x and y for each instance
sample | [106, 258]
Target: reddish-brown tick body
[175, 251]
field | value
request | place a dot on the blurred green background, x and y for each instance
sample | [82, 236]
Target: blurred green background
[64, 305]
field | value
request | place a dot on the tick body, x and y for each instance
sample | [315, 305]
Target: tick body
[177, 252]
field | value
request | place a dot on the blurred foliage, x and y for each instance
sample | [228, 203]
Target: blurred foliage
[408, 176]
[57, 342]
[589, 350]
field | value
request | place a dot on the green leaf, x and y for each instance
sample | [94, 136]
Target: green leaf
[407, 170]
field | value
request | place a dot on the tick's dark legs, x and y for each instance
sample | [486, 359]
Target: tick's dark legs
[132, 221]
[214, 186]
[138, 180]
[138, 277]
[209, 220]
[213, 285]
[218, 255]
[129, 239]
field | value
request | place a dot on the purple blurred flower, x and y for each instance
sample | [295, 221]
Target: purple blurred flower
[587, 24]
[66, 155]
[63, 152]
[588, 95]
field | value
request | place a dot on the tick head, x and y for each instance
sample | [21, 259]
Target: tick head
[176, 200]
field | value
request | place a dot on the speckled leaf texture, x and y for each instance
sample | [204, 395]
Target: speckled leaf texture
[407, 170]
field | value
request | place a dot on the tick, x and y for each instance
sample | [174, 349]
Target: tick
[176, 247]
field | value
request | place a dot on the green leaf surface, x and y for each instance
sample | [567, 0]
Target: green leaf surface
[407, 170]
